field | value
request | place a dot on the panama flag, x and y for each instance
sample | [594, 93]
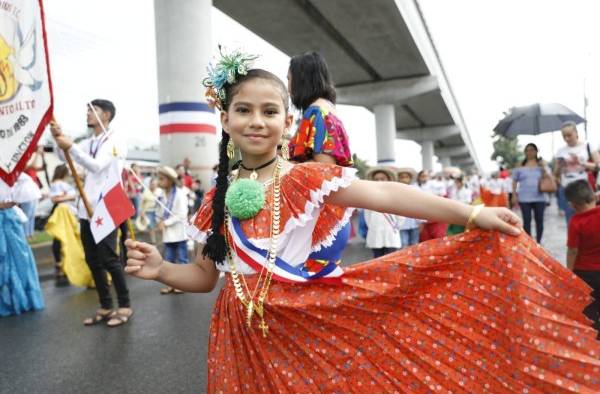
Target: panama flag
[113, 206]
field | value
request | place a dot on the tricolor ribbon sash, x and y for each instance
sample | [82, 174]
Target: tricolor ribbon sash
[256, 258]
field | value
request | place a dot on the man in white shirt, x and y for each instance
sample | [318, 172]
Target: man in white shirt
[95, 155]
[573, 162]
[438, 186]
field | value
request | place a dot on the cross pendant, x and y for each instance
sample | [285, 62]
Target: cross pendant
[249, 313]
[264, 327]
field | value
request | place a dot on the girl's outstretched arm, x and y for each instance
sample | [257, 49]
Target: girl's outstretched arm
[145, 262]
[403, 200]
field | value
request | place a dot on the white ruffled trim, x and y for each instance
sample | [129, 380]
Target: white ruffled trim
[316, 201]
[334, 231]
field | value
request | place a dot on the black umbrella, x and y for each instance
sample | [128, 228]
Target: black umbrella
[535, 119]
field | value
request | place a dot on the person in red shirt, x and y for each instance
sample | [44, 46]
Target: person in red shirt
[583, 253]
[185, 179]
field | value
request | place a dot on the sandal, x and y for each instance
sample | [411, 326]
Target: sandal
[119, 318]
[166, 290]
[99, 317]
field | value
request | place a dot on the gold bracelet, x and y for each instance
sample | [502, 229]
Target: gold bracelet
[474, 213]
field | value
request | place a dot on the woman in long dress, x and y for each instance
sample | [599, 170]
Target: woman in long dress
[19, 282]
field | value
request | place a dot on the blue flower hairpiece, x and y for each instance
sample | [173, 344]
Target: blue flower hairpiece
[226, 71]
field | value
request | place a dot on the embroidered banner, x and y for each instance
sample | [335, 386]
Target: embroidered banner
[25, 86]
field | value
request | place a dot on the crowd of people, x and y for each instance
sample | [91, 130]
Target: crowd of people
[275, 225]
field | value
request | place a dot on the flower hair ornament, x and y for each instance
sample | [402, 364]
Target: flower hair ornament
[226, 71]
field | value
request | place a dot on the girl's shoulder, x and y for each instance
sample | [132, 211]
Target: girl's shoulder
[312, 174]
[322, 106]
[304, 188]
[323, 103]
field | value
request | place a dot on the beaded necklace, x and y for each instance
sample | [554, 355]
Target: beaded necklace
[250, 300]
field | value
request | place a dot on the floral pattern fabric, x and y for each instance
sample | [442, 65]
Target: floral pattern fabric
[475, 313]
[320, 131]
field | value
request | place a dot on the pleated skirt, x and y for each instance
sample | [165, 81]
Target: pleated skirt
[474, 313]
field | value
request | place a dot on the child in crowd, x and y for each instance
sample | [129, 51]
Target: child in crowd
[172, 220]
[148, 208]
[61, 192]
[463, 194]
[382, 235]
[409, 228]
[583, 243]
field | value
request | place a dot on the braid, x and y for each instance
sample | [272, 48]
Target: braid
[216, 247]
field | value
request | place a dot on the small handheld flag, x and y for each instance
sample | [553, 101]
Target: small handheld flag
[113, 207]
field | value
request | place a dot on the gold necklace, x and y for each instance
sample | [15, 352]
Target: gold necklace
[252, 303]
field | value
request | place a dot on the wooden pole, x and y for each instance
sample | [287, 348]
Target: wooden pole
[131, 229]
[82, 194]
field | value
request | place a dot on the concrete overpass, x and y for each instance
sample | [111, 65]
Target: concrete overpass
[382, 57]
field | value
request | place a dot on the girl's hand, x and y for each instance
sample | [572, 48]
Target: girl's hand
[501, 219]
[143, 260]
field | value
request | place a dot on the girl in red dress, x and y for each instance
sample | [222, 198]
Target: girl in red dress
[484, 311]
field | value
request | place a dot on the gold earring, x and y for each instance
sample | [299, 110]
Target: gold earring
[285, 152]
[230, 149]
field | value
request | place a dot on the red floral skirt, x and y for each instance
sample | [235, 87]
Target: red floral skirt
[477, 312]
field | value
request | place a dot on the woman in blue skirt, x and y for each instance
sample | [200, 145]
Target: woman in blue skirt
[19, 283]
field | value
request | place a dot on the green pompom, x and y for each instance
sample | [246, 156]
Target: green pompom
[245, 198]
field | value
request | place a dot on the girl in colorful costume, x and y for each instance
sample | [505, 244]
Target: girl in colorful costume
[63, 226]
[321, 135]
[483, 311]
[171, 225]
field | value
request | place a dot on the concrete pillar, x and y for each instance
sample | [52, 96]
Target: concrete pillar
[445, 161]
[427, 154]
[385, 131]
[183, 49]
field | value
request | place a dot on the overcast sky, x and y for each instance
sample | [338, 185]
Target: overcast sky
[497, 54]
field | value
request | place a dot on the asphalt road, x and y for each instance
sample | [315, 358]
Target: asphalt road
[161, 350]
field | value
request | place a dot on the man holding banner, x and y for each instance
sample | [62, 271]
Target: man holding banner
[102, 157]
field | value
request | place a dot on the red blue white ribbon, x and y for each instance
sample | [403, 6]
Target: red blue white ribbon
[256, 258]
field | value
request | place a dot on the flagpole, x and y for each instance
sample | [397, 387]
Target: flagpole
[82, 194]
[585, 106]
[129, 224]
